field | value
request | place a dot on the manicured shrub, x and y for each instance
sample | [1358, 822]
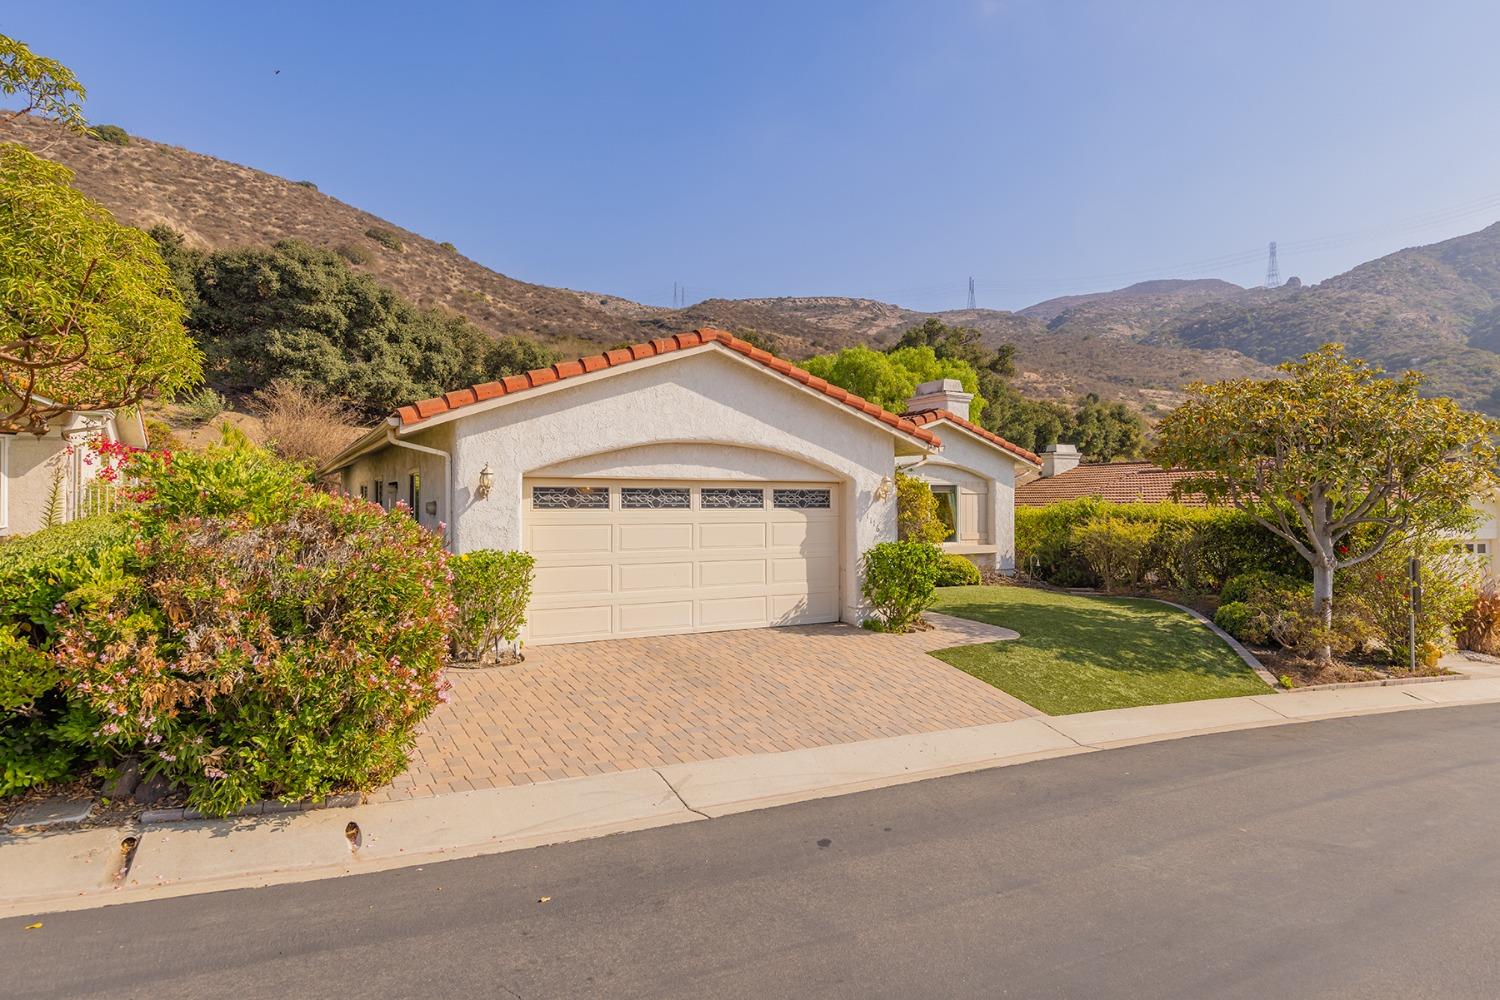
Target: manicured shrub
[1115, 549]
[918, 514]
[255, 658]
[112, 134]
[490, 592]
[1194, 548]
[1235, 618]
[956, 571]
[385, 237]
[900, 581]
[1250, 587]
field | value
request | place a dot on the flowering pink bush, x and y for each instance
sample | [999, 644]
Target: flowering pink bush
[260, 656]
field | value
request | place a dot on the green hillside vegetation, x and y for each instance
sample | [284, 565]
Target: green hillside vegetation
[297, 314]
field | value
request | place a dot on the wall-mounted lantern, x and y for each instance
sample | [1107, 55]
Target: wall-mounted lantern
[883, 491]
[486, 482]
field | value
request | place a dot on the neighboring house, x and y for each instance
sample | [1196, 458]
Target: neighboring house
[689, 484]
[52, 472]
[1063, 476]
[1482, 541]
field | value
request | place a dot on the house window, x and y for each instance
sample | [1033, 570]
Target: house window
[380, 494]
[364, 491]
[392, 494]
[654, 497]
[722, 498]
[414, 490]
[1476, 548]
[947, 501]
[801, 499]
[570, 498]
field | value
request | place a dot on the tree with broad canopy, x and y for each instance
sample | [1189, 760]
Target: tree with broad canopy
[1335, 458]
[89, 316]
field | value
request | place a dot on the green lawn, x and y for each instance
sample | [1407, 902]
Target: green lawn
[1082, 654]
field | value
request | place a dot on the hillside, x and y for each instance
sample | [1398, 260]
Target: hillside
[1435, 307]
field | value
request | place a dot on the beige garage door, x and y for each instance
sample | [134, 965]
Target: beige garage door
[651, 558]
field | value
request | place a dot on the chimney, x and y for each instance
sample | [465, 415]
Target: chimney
[1057, 459]
[943, 394]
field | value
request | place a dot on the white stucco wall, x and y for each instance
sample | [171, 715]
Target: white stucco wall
[976, 466]
[691, 403]
[29, 465]
[1487, 533]
[395, 465]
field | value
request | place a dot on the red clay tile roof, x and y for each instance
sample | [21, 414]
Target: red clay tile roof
[1118, 482]
[932, 416]
[448, 401]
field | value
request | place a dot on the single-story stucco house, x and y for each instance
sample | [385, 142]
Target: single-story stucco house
[54, 470]
[690, 484]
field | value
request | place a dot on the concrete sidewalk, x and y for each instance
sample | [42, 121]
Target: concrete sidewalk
[46, 872]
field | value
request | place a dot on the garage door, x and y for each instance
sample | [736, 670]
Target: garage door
[651, 558]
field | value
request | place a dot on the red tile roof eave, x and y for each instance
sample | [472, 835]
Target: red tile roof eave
[449, 402]
[932, 416]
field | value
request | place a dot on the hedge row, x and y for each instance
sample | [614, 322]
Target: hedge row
[1184, 548]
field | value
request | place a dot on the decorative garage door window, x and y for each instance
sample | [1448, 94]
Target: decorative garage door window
[654, 497]
[570, 498]
[800, 499]
[720, 498]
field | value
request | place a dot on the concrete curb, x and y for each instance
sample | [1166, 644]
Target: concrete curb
[1239, 648]
[45, 872]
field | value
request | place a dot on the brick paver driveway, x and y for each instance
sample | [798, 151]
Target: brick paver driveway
[616, 705]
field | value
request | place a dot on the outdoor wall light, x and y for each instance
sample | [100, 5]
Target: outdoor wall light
[883, 491]
[486, 482]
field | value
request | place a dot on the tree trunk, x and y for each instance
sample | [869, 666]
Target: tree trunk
[1323, 606]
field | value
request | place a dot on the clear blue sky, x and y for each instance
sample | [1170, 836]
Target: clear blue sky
[876, 149]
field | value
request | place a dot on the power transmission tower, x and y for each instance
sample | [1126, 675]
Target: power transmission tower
[971, 292]
[1273, 273]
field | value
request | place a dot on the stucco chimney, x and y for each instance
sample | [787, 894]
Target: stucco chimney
[943, 394]
[1057, 459]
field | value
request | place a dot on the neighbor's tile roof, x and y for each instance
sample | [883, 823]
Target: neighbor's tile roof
[1118, 482]
[932, 416]
[459, 398]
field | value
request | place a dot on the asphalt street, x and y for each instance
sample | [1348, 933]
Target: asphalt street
[1350, 858]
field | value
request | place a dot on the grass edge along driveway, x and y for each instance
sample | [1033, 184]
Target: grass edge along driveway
[1084, 654]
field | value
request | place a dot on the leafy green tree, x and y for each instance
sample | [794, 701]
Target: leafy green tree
[44, 87]
[889, 380]
[1031, 423]
[963, 343]
[298, 313]
[182, 261]
[1336, 459]
[868, 373]
[89, 315]
[515, 355]
[1104, 431]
